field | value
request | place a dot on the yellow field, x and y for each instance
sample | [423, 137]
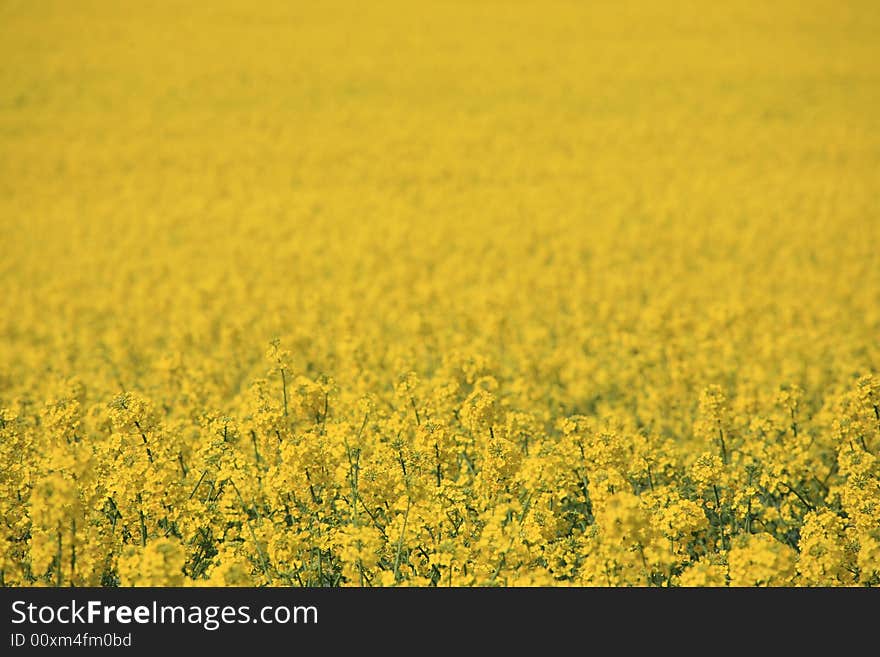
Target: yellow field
[446, 293]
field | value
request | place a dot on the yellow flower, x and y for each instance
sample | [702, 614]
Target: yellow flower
[761, 560]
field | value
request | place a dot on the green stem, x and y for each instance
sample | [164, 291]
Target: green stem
[264, 562]
[723, 446]
[58, 573]
[72, 549]
[198, 483]
[144, 438]
[400, 540]
[284, 389]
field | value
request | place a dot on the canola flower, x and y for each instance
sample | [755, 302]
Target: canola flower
[446, 294]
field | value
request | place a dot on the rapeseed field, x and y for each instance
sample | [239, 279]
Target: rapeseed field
[440, 293]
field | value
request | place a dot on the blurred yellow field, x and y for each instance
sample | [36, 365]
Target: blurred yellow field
[441, 293]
